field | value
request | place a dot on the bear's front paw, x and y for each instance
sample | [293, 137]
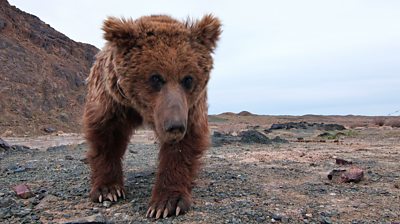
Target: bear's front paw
[110, 192]
[168, 205]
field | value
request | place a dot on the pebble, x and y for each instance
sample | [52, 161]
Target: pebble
[107, 204]
[326, 220]
[23, 191]
[277, 217]
[23, 212]
[19, 170]
[98, 218]
[260, 219]
[35, 217]
[7, 202]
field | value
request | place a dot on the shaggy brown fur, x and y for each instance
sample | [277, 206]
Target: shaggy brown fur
[152, 70]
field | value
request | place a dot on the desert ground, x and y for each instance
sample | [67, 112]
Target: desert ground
[241, 181]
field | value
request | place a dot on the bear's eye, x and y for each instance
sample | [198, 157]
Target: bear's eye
[156, 82]
[187, 82]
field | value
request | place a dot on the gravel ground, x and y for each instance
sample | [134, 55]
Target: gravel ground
[239, 183]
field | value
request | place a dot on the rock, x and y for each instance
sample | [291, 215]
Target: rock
[325, 135]
[248, 137]
[107, 204]
[343, 162]
[63, 116]
[354, 174]
[47, 201]
[277, 217]
[326, 220]
[253, 136]
[49, 130]
[23, 191]
[306, 125]
[7, 133]
[335, 173]
[19, 169]
[84, 160]
[57, 148]
[97, 218]
[133, 151]
[332, 127]
[6, 202]
[20, 148]
[218, 139]
[278, 126]
[69, 157]
[278, 139]
[4, 145]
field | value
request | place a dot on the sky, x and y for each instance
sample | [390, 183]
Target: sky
[284, 57]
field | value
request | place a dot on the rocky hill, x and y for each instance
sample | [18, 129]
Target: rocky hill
[42, 75]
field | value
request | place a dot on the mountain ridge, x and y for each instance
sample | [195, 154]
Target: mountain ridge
[42, 75]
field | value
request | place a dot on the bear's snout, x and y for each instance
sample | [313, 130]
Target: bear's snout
[171, 114]
[175, 126]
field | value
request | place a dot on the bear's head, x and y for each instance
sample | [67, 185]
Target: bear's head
[161, 67]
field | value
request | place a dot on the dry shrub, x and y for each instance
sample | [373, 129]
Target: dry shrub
[380, 121]
[394, 122]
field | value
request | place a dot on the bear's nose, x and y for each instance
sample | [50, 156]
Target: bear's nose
[175, 127]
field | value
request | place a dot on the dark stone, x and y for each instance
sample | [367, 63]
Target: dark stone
[57, 148]
[326, 220]
[325, 135]
[20, 148]
[218, 139]
[69, 157]
[278, 139]
[277, 217]
[4, 145]
[63, 117]
[306, 125]
[333, 127]
[253, 136]
[343, 161]
[277, 126]
[49, 130]
[248, 137]
[6, 202]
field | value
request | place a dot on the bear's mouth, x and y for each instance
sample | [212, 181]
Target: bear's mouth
[174, 138]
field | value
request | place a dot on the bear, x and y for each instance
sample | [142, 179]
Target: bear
[151, 71]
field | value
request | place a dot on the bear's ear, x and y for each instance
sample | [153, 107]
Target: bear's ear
[122, 31]
[206, 31]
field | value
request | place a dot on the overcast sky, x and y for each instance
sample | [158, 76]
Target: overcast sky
[275, 57]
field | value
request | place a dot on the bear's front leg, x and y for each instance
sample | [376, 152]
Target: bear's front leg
[178, 165]
[108, 136]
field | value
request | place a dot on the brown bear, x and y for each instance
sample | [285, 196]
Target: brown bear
[154, 71]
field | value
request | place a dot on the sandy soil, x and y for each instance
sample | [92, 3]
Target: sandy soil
[239, 183]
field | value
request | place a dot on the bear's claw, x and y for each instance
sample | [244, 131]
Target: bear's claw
[151, 211]
[167, 208]
[111, 193]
